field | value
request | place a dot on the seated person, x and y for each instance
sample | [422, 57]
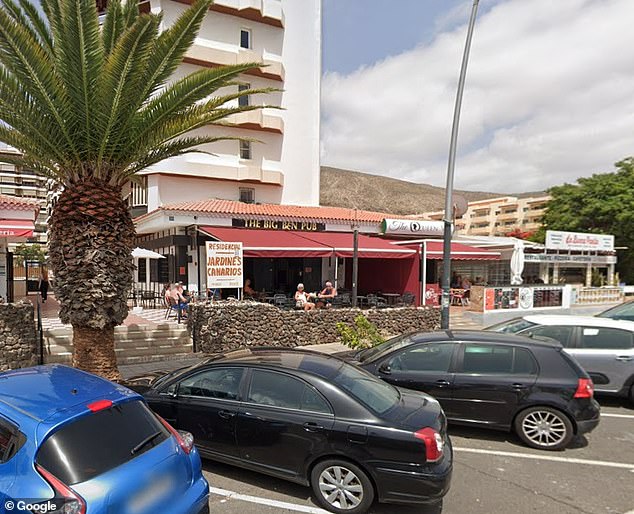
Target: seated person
[248, 291]
[302, 299]
[178, 298]
[327, 294]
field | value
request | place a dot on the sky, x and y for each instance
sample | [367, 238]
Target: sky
[549, 95]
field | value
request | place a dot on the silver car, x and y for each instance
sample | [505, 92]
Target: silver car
[603, 346]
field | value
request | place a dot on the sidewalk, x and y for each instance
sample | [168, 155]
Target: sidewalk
[50, 314]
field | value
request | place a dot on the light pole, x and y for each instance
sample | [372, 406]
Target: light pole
[448, 218]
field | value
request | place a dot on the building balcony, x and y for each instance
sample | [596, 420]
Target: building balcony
[268, 12]
[211, 53]
[267, 121]
[507, 216]
[224, 167]
[479, 231]
[480, 218]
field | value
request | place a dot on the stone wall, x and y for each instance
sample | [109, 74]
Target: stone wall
[228, 325]
[18, 339]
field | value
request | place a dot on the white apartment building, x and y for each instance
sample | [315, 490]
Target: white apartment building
[499, 216]
[283, 167]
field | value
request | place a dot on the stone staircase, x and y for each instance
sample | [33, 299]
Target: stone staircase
[136, 344]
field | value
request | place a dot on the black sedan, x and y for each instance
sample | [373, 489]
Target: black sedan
[492, 380]
[314, 420]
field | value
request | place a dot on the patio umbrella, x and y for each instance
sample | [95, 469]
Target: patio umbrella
[517, 262]
[142, 253]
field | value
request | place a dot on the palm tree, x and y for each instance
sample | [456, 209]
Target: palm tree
[91, 106]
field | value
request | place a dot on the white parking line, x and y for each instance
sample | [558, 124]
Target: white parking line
[265, 501]
[533, 456]
[623, 416]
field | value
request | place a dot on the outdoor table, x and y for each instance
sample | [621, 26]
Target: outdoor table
[391, 297]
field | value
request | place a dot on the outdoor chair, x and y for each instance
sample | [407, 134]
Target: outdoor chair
[375, 301]
[282, 301]
[345, 300]
[407, 300]
[171, 308]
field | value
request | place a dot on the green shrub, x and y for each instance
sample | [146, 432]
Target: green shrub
[363, 334]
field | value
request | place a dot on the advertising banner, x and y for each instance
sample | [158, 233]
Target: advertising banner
[559, 240]
[224, 265]
[412, 227]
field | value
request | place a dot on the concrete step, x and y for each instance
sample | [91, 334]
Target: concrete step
[124, 359]
[128, 346]
[125, 332]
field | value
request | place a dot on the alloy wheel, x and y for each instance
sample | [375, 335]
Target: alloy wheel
[544, 428]
[340, 487]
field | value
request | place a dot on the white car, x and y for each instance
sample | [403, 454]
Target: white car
[603, 346]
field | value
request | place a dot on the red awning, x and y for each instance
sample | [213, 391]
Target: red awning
[16, 228]
[460, 252]
[283, 243]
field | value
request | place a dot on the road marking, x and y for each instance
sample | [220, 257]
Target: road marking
[265, 501]
[623, 416]
[620, 465]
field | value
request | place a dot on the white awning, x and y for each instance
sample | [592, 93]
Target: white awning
[142, 253]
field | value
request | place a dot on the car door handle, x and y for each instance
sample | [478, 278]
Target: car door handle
[442, 383]
[225, 414]
[312, 427]
[518, 386]
[624, 358]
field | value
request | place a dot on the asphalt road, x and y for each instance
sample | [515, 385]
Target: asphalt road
[493, 473]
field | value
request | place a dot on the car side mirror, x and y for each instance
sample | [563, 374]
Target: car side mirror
[385, 368]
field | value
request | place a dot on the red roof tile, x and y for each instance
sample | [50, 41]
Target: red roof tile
[285, 212]
[18, 204]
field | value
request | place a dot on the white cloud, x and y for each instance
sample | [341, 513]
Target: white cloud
[549, 98]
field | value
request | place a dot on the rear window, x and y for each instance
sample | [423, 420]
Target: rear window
[11, 440]
[99, 442]
[494, 359]
[511, 327]
[366, 388]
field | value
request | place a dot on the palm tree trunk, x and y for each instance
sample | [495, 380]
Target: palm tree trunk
[91, 236]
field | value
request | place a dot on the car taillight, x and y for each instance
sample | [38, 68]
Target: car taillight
[73, 503]
[185, 439]
[434, 443]
[585, 388]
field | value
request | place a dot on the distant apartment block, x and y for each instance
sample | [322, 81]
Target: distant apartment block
[23, 183]
[499, 216]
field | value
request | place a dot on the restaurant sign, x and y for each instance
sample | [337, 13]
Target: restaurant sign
[224, 265]
[587, 259]
[558, 240]
[299, 226]
[412, 227]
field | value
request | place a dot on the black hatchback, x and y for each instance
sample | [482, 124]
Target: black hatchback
[312, 419]
[492, 380]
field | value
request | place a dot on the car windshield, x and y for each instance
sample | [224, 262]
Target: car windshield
[388, 346]
[623, 311]
[99, 442]
[366, 388]
[511, 327]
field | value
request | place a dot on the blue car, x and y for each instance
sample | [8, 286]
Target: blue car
[74, 443]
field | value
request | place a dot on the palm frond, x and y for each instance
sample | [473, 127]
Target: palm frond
[20, 113]
[130, 13]
[112, 26]
[39, 25]
[168, 150]
[123, 75]
[18, 14]
[79, 63]
[185, 93]
[27, 62]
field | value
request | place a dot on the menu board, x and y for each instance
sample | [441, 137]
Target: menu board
[547, 297]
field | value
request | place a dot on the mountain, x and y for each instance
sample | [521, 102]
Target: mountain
[353, 189]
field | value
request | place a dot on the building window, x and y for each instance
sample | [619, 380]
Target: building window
[247, 195]
[245, 38]
[245, 149]
[243, 101]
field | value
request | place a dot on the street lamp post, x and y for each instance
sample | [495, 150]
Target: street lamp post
[449, 208]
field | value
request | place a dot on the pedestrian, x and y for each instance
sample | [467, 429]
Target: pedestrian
[43, 285]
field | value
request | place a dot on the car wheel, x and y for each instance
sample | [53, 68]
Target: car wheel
[340, 486]
[544, 428]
